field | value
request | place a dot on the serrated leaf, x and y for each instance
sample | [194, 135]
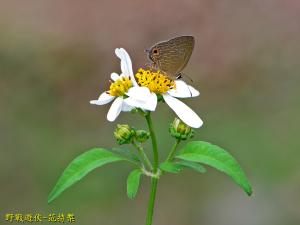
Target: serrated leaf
[81, 166]
[170, 167]
[214, 156]
[192, 165]
[133, 182]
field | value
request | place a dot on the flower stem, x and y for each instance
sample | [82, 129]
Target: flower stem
[142, 155]
[173, 151]
[154, 180]
[154, 143]
[151, 200]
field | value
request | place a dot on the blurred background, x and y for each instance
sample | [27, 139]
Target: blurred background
[55, 56]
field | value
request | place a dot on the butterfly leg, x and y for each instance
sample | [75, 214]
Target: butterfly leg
[148, 65]
[151, 66]
[182, 75]
[179, 76]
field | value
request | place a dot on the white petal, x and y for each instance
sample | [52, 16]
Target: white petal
[151, 102]
[126, 107]
[147, 104]
[126, 64]
[115, 109]
[183, 90]
[103, 99]
[194, 92]
[114, 76]
[139, 93]
[125, 60]
[186, 114]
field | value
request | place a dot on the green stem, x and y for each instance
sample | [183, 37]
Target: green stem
[154, 180]
[142, 155]
[173, 151]
[151, 201]
[154, 143]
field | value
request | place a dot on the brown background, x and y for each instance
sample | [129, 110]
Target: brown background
[55, 56]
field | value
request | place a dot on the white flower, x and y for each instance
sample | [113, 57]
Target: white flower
[126, 86]
[170, 91]
[185, 113]
[126, 93]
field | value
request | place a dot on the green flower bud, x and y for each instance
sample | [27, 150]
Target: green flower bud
[124, 134]
[180, 130]
[142, 135]
[134, 110]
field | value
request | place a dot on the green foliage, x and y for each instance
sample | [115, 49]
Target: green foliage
[192, 165]
[133, 182]
[81, 166]
[212, 155]
[170, 167]
[127, 154]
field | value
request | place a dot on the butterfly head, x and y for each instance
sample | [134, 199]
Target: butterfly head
[153, 53]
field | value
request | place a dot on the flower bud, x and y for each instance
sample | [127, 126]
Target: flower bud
[124, 134]
[134, 110]
[142, 135]
[180, 130]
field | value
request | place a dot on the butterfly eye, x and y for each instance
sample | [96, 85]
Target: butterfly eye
[155, 51]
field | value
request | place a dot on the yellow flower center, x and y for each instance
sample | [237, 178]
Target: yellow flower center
[156, 81]
[120, 86]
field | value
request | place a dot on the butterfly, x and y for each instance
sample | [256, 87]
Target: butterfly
[171, 56]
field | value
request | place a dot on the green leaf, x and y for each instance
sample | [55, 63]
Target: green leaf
[212, 155]
[126, 153]
[192, 165]
[81, 166]
[170, 167]
[133, 182]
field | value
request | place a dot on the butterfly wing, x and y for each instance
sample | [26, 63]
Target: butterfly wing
[174, 54]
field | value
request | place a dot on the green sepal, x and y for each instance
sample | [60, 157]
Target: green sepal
[141, 135]
[160, 98]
